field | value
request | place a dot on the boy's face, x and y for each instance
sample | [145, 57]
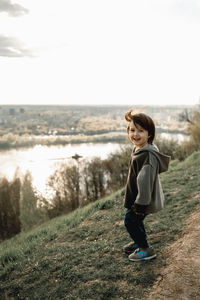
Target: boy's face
[138, 135]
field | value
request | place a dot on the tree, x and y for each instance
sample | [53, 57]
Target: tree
[194, 128]
[15, 190]
[116, 166]
[66, 184]
[32, 210]
[193, 120]
[94, 179]
[9, 207]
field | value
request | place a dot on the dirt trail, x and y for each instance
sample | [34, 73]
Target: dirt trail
[180, 280]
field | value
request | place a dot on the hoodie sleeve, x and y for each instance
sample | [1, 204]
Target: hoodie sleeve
[145, 182]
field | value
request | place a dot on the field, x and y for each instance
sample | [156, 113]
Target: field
[79, 255]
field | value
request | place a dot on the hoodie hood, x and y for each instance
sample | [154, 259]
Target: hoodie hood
[163, 159]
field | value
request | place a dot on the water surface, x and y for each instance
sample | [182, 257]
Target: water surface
[42, 161]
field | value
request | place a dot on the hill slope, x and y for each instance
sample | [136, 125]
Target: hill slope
[79, 256]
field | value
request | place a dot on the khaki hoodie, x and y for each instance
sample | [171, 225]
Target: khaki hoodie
[143, 184]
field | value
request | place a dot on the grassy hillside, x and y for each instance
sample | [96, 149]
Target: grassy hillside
[79, 256]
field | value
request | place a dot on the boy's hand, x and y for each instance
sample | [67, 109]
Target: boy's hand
[139, 209]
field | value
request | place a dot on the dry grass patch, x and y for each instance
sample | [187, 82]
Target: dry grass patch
[86, 223]
[194, 197]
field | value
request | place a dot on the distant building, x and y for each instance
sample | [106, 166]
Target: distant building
[22, 110]
[11, 111]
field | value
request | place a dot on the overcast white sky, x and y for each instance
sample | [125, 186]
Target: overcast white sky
[100, 52]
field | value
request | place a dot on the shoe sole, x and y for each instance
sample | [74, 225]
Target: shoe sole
[143, 258]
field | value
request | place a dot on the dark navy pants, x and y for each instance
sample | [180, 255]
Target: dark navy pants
[135, 227]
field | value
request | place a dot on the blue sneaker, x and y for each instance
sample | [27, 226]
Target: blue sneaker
[130, 248]
[142, 254]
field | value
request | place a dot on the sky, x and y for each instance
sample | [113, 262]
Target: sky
[113, 52]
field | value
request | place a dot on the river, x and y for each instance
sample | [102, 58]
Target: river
[42, 161]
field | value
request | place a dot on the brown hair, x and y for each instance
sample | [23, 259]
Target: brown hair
[143, 120]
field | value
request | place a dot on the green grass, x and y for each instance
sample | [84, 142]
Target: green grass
[79, 256]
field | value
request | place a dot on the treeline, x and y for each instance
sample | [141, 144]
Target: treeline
[86, 181]
[22, 208]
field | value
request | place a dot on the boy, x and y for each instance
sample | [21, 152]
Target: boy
[143, 194]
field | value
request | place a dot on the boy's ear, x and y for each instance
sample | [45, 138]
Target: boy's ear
[127, 129]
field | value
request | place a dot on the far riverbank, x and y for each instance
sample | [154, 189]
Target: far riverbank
[11, 141]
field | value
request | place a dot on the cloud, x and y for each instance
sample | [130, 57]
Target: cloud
[13, 9]
[12, 47]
